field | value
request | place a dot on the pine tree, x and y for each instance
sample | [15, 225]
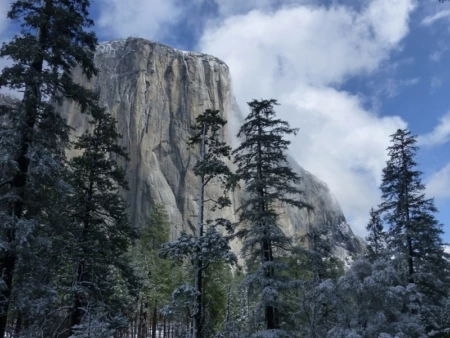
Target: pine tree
[159, 275]
[414, 233]
[100, 232]
[376, 239]
[269, 181]
[206, 247]
[54, 39]
[414, 236]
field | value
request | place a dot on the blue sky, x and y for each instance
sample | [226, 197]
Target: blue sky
[348, 73]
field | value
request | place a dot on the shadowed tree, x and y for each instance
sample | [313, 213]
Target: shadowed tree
[54, 39]
[269, 181]
[414, 236]
[376, 238]
[100, 233]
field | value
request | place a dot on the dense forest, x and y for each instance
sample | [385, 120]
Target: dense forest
[72, 264]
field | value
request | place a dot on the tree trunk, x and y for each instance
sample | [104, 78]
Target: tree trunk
[408, 221]
[160, 336]
[270, 311]
[18, 327]
[198, 308]
[270, 314]
[30, 104]
[410, 260]
[76, 312]
[144, 320]
[154, 320]
[164, 328]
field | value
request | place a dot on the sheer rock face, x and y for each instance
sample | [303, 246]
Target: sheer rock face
[156, 92]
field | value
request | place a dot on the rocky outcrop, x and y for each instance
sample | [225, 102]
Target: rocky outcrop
[155, 92]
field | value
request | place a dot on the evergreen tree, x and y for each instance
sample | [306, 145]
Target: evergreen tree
[376, 239]
[414, 233]
[206, 247]
[100, 232]
[414, 236]
[159, 275]
[269, 181]
[53, 40]
[216, 278]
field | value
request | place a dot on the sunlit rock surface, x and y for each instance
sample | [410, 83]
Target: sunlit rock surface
[155, 92]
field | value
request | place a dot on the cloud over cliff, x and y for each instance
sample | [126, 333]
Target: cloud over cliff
[303, 55]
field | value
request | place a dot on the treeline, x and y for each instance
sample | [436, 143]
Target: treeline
[73, 266]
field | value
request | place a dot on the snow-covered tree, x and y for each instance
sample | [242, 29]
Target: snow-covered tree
[317, 268]
[54, 39]
[206, 246]
[372, 302]
[317, 308]
[269, 181]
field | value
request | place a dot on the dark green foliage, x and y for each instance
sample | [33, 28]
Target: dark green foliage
[53, 40]
[312, 258]
[414, 236]
[216, 278]
[100, 232]
[269, 182]
[376, 239]
[414, 233]
[209, 128]
[159, 275]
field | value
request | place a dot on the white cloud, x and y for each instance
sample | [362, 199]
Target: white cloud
[299, 53]
[430, 19]
[4, 7]
[440, 134]
[438, 184]
[436, 56]
[138, 18]
[228, 8]
[393, 85]
[348, 44]
[300, 56]
[435, 82]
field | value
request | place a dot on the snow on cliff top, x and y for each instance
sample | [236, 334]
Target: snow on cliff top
[111, 47]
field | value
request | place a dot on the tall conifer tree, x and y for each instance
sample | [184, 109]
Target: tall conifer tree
[269, 181]
[414, 236]
[207, 245]
[54, 39]
[100, 233]
[414, 233]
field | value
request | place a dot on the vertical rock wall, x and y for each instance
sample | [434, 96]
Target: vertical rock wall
[155, 92]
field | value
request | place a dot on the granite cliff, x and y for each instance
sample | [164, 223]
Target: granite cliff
[155, 92]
